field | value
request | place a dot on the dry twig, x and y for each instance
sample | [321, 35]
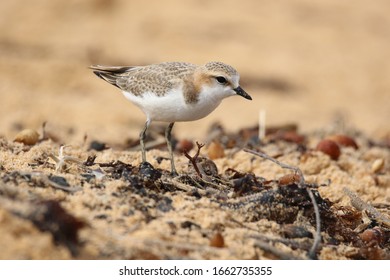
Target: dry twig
[265, 246]
[181, 186]
[194, 158]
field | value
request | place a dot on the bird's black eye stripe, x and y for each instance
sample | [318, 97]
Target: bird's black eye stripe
[221, 80]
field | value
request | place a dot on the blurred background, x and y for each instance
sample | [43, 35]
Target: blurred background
[304, 62]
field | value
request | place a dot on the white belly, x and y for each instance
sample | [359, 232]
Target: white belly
[172, 107]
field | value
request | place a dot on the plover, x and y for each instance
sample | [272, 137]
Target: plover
[173, 91]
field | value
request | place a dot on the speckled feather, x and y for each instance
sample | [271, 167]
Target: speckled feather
[219, 67]
[156, 78]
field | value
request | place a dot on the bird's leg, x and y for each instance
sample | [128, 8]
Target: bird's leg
[142, 137]
[168, 138]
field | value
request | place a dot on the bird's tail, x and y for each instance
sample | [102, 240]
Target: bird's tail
[109, 73]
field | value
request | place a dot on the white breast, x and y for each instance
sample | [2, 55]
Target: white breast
[172, 107]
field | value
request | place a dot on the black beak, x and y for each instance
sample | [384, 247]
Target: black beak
[242, 92]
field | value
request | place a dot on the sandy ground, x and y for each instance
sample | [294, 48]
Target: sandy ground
[323, 66]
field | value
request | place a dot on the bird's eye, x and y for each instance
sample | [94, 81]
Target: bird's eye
[221, 80]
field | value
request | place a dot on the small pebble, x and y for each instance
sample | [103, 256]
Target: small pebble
[27, 137]
[215, 150]
[184, 145]
[344, 140]
[377, 165]
[204, 164]
[289, 179]
[330, 148]
[292, 136]
[375, 234]
[97, 146]
[293, 231]
[217, 241]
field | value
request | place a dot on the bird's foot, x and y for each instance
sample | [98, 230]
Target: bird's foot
[174, 173]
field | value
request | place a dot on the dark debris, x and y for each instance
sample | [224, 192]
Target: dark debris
[50, 216]
[97, 146]
[59, 180]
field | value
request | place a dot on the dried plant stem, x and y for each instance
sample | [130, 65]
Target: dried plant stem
[262, 116]
[194, 158]
[182, 186]
[301, 182]
[359, 204]
[317, 238]
[62, 159]
[265, 246]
